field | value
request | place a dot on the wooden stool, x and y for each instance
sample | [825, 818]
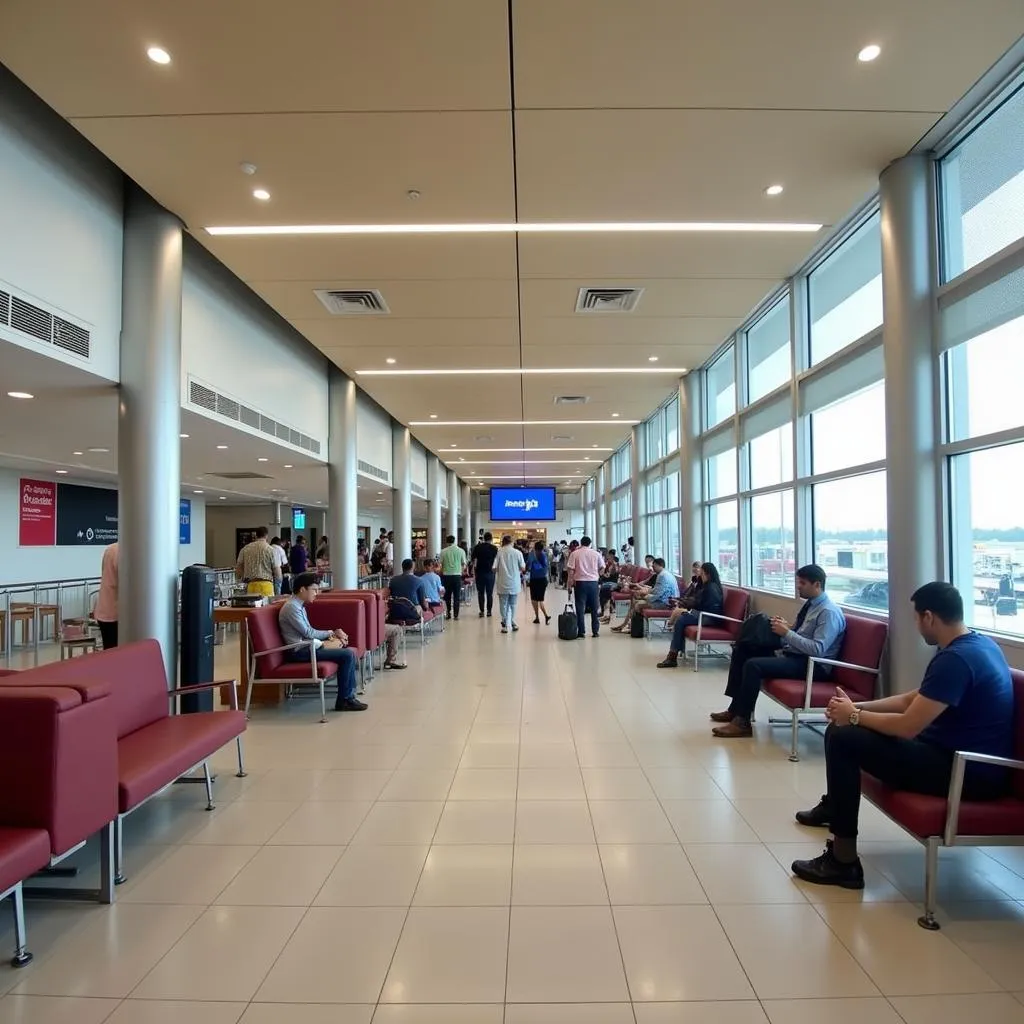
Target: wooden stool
[26, 616]
[85, 644]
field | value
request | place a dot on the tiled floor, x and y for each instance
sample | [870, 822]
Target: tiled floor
[519, 831]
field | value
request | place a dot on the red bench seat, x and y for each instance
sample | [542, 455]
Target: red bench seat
[715, 628]
[23, 852]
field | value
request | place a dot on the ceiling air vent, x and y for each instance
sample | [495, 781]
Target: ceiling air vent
[562, 437]
[41, 324]
[571, 399]
[240, 476]
[31, 320]
[608, 300]
[205, 398]
[5, 307]
[70, 337]
[352, 301]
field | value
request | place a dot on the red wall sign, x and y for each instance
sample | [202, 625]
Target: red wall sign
[37, 513]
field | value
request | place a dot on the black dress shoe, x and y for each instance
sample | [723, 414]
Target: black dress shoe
[819, 816]
[350, 705]
[826, 870]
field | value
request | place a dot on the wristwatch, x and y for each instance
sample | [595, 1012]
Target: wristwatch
[855, 716]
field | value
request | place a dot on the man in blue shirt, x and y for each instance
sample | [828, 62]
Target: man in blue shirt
[432, 585]
[818, 632]
[659, 593]
[408, 595]
[327, 644]
[908, 740]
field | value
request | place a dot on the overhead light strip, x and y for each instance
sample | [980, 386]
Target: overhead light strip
[523, 423]
[592, 448]
[508, 228]
[521, 371]
[517, 462]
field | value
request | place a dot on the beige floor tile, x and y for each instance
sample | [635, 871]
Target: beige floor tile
[398, 1013]
[400, 821]
[190, 874]
[991, 934]
[306, 1013]
[741, 873]
[367, 757]
[110, 954]
[282, 876]
[337, 955]
[558, 876]
[748, 1012]
[993, 1008]
[490, 755]
[419, 784]
[146, 1011]
[564, 954]
[707, 821]
[478, 822]
[373, 876]
[360, 786]
[224, 956]
[757, 782]
[494, 732]
[322, 823]
[55, 1010]
[772, 819]
[554, 821]
[787, 954]
[900, 957]
[547, 755]
[432, 757]
[550, 784]
[465, 876]
[877, 888]
[668, 754]
[484, 784]
[606, 755]
[836, 1011]
[569, 1013]
[630, 822]
[283, 785]
[965, 875]
[617, 784]
[450, 955]
[244, 824]
[678, 953]
[649, 874]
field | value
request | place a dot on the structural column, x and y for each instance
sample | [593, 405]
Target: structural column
[466, 509]
[639, 497]
[909, 278]
[600, 520]
[342, 472]
[691, 491]
[149, 422]
[401, 500]
[435, 490]
[452, 526]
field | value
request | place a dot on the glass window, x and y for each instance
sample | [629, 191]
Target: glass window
[983, 190]
[988, 536]
[768, 357]
[722, 474]
[771, 457]
[672, 426]
[621, 465]
[656, 536]
[850, 540]
[850, 432]
[984, 382]
[721, 385]
[655, 437]
[673, 550]
[723, 540]
[655, 495]
[772, 561]
[845, 292]
[672, 490]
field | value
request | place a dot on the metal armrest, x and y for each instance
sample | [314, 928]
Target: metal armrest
[956, 786]
[812, 661]
[199, 687]
[287, 647]
[717, 615]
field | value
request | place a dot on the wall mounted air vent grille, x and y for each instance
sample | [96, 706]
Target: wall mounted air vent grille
[204, 397]
[375, 471]
[571, 399]
[352, 301]
[34, 321]
[608, 300]
[419, 491]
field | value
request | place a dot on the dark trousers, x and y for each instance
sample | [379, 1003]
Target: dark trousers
[452, 593]
[586, 595]
[344, 657]
[751, 664]
[679, 632]
[108, 634]
[485, 588]
[912, 765]
[605, 593]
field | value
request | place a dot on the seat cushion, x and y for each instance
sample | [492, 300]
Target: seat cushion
[156, 755]
[710, 634]
[23, 851]
[791, 692]
[291, 670]
[655, 613]
[926, 815]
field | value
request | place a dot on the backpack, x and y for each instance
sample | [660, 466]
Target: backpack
[757, 630]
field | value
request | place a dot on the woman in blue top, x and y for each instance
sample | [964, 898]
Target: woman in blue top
[537, 565]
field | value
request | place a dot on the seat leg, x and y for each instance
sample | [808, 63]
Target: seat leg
[931, 878]
[794, 738]
[323, 702]
[118, 850]
[107, 855]
[208, 779]
[241, 773]
[22, 957]
[248, 695]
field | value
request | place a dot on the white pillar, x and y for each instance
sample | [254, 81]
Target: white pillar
[639, 496]
[342, 470]
[467, 516]
[691, 496]
[452, 527]
[435, 490]
[401, 478]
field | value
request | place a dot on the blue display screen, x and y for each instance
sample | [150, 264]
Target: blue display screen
[298, 518]
[514, 503]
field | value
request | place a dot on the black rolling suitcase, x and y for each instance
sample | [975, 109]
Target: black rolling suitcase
[567, 624]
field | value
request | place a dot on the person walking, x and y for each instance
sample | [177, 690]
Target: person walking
[584, 568]
[105, 612]
[538, 565]
[484, 556]
[509, 582]
[256, 565]
[280, 561]
[453, 562]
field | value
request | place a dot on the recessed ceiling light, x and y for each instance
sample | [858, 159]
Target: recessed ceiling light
[390, 361]
[869, 53]
[594, 446]
[19, 394]
[433, 415]
[774, 190]
[453, 446]
[512, 423]
[183, 435]
[221, 447]
[523, 371]
[380, 492]
[222, 498]
[197, 492]
[77, 453]
[261, 194]
[262, 460]
[652, 359]
[615, 415]
[99, 451]
[62, 472]
[158, 55]
[288, 465]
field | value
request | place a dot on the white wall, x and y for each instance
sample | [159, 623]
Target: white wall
[61, 218]
[373, 436]
[418, 466]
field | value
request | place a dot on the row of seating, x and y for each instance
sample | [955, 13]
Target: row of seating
[90, 740]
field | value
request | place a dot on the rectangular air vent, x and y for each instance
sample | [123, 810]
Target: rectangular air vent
[250, 417]
[352, 301]
[608, 300]
[41, 324]
[205, 398]
[417, 490]
[70, 337]
[31, 320]
[5, 307]
[571, 399]
[375, 471]
[239, 476]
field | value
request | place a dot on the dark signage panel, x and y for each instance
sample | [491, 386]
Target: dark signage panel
[86, 515]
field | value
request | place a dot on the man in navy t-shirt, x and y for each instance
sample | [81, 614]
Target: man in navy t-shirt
[907, 741]
[408, 595]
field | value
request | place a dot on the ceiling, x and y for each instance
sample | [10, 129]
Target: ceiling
[529, 111]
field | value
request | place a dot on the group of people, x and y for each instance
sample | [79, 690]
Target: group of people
[266, 567]
[503, 569]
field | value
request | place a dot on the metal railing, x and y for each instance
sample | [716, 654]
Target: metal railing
[35, 604]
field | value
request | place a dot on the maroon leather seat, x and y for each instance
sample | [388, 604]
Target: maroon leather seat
[23, 852]
[375, 612]
[713, 628]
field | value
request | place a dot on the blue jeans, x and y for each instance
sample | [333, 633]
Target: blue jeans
[586, 594]
[344, 657]
[507, 607]
[679, 632]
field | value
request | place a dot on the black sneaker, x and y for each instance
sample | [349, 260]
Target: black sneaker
[819, 816]
[826, 870]
[350, 705]
[481, 615]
